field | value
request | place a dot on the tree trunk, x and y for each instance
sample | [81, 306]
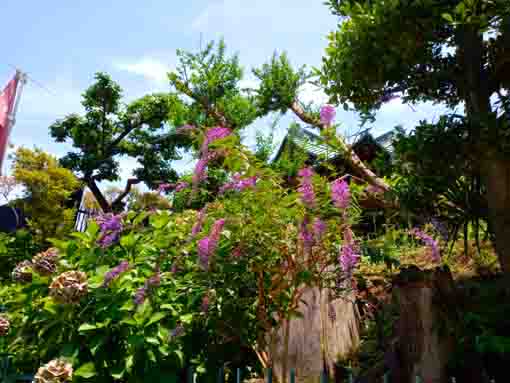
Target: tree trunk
[101, 200]
[497, 173]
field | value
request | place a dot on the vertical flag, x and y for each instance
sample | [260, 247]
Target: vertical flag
[7, 106]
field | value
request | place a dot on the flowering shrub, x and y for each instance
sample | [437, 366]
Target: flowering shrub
[130, 300]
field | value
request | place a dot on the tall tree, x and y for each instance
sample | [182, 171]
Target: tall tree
[213, 82]
[47, 188]
[455, 52]
[109, 130]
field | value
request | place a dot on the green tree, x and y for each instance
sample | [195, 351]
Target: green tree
[109, 130]
[47, 188]
[452, 52]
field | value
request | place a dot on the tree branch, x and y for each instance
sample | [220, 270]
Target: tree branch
[210, 109]
[101, 200]
[127, 189]
[350, 156]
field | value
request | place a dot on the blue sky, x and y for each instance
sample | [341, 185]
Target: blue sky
[62, 43]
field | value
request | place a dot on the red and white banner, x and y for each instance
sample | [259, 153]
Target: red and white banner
[7, 101]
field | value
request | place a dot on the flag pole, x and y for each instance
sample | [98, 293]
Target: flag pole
[22, 79]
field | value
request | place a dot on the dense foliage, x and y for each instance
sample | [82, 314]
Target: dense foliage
[450, 52]
[127, 300]
[47, 188]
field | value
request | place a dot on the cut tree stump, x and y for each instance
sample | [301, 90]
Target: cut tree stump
[305, 355]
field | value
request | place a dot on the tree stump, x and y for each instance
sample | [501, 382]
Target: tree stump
[305, 354]
[426, 302]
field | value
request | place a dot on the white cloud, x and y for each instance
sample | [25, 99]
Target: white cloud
[150, 68]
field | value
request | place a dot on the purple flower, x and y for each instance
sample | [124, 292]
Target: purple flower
[340, 193]
[217, 228]
[140, 296]
[216, 133]
[440, 227]
[106, 240]
[349, 256]
[207, 245]
[115, 272]
[327, 113]
[199, 173]
[429, 241]
[306, 188]
[177, 331]
[205, 249]
[239, 184]
[306, 236]
[181, 186]
[197, 228]
[165, 187]
[110, 222]
[110, 226]
[319, 228]
[306, 172]
[141, 293]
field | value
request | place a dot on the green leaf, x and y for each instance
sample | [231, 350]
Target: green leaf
[87, 371]
[128, 241]
[186, 318]
[87, 327]
[152, 340]
[117, 372]
[447, 17]
[151, 356]
[129, 363]
[180, 356]
[155, 318]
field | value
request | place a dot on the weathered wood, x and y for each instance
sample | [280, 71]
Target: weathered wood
[425, 341]
[305, 353]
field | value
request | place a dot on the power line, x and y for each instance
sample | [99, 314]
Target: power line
[40, 85]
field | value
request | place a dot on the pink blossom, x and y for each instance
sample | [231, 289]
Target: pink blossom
[217, 133]
[181, 186]
[319, 228]
[165, 187]
[306, 235]
[207, 245]
[197, 228]
[306, 188]
[340, 193]
[239, 184]
[327, 114]
[349, 256]
[306, 172]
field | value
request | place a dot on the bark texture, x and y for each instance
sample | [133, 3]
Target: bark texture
[424, 329]
[305, 352]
